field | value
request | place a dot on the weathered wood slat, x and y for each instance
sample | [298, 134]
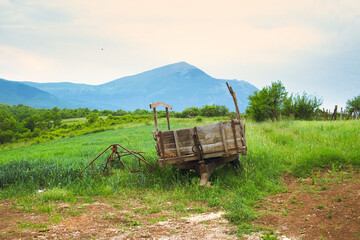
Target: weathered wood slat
[223, 136]
[177, 144]
[234, 135]
[185, 135]
[219, 146]
[157, 104]
[194, 157]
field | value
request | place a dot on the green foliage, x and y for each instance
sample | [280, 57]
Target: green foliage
[351, 104]
[205, 111]
[92, 118]
[22, 123]
[271, 100]
[267, 102]
[301, 107]
[198, 119]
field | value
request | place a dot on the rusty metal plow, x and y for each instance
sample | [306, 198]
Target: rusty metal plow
[118, 155]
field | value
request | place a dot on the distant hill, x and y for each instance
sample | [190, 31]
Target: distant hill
[180, 85]
[17, 93]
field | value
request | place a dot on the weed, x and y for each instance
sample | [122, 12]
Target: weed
[271, 235]
[285, 212]
[108, 216]
[131, 222]
[320, 207]
[330, 213]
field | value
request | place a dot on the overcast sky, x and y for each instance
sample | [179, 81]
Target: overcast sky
[311, 46]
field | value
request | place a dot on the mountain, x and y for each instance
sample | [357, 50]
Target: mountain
[17, 93]
[180, 85]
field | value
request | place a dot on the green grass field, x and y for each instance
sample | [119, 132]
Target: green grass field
[296, 147]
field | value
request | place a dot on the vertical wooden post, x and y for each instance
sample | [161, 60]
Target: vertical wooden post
[235, 102]
[167, 117]
[334, 116]
[155, 118]
[341, 114]
[327, 114]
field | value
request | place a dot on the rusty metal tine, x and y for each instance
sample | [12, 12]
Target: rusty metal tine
[141, 158]
[91, 163]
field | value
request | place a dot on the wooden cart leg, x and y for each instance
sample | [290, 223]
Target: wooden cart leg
[205, 171]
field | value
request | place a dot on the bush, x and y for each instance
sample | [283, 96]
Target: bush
[198, 119]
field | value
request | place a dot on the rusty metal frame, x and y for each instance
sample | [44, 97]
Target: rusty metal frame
[117, 155]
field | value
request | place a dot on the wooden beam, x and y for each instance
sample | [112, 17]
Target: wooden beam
[158, 104]
[155, 119]
[177, 144]
[223, 136]
[235, 101]
[167, 117]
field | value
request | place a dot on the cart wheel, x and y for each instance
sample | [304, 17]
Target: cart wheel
[236, 163]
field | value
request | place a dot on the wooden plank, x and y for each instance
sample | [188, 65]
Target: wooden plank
[234, 133]
[162, 150]
[177, 144]
[185, 136]
[167, 117]
[158, 104]
[204, 132]
[194, 157]
[223, 136]
[155, 119]
[216, 147]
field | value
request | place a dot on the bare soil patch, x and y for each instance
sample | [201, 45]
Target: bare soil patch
[324, 206]
[101, 220]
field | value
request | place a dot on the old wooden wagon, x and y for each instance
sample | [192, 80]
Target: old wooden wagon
[202, 148]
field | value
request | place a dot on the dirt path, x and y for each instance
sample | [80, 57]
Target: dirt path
[103, 221]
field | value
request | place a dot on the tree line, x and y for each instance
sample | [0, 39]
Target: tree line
[23, 122]
[273, 101]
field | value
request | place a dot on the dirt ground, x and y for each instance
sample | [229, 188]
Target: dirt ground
[100, 220]
[325, 206]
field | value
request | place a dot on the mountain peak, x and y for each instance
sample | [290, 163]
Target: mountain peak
[181, 67]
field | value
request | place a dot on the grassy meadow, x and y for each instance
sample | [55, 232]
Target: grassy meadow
[296, 147]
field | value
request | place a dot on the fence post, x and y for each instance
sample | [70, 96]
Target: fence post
[334, 116]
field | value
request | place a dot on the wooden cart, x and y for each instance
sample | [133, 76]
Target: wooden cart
[202, 148]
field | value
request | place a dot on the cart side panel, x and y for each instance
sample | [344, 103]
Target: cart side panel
[210, 136]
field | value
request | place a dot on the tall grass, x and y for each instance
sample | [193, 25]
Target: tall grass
[273, 149]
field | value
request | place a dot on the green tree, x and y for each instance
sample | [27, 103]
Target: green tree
[351, 104]
[288, 106]
[304, 106]
[33, 122]
[267, 102]
[213, 110]
[191, 111]
[47, 118]
[93, 117]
